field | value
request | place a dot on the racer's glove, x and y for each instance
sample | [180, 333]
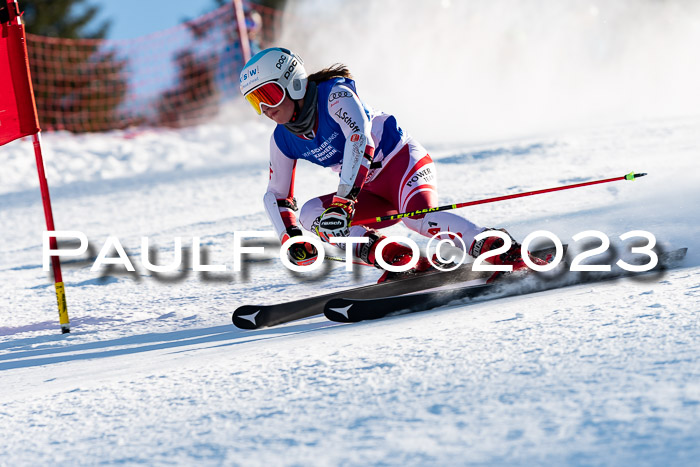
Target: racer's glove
[300, 253]
[335, 221]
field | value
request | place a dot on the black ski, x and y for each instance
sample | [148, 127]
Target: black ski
[347, 310]
[257, 316]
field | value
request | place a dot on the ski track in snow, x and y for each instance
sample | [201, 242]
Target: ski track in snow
[154, 372]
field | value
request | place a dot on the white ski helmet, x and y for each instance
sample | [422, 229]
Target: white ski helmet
[275, 64]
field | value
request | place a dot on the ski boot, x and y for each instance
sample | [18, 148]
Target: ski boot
[394, 254]
[512, 257]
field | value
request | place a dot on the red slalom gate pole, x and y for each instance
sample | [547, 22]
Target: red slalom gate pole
[242, 29]
[19, 118]
[48, 214]
[629, 176]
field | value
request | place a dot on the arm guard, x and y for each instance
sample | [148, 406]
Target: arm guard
[279, 201]
[347, 110]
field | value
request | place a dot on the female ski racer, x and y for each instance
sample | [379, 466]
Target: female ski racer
[321, 118]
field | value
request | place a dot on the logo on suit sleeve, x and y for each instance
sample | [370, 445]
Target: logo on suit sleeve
[337, 95]
[347, 119]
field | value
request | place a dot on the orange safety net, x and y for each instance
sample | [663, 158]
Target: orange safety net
[177, 77]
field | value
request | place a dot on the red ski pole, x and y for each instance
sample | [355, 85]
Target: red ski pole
[629, 176]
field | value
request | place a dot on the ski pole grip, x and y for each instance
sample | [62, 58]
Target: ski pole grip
[632, 175]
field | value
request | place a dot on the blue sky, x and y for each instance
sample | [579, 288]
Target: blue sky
[134, 18]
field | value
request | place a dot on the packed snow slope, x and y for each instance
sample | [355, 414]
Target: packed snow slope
[154, 372]
[508, 97]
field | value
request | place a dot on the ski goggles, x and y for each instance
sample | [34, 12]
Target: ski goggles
[271, 94]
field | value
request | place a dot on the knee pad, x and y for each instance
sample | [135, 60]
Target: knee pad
[436, 222]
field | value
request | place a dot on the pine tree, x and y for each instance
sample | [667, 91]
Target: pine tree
[78, 85]
[69, 19]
